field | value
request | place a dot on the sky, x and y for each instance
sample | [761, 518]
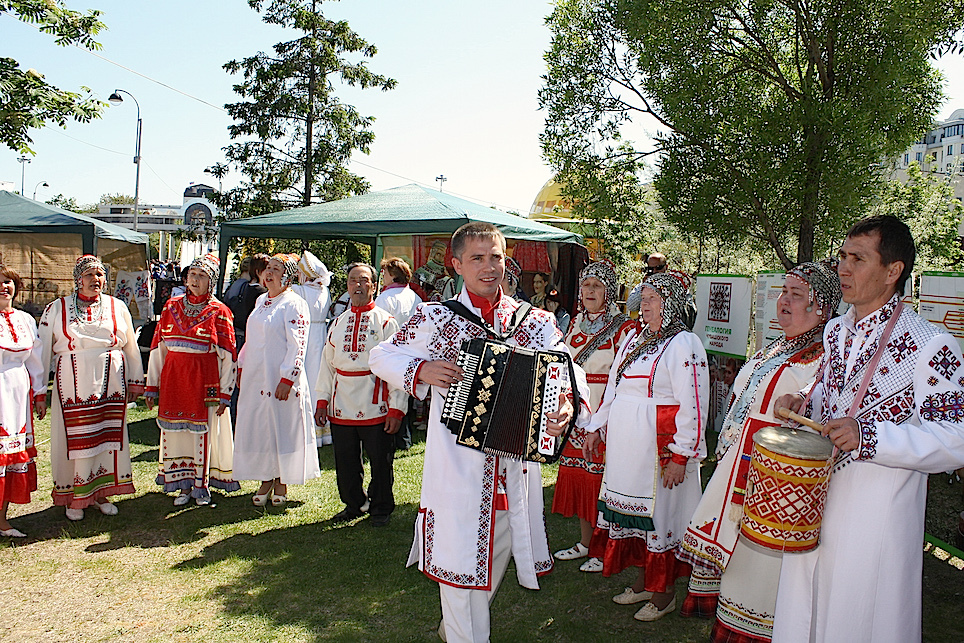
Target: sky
[465, 106]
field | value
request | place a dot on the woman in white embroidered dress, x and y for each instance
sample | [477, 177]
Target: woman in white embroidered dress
[593, 340]
[750, 574]
[275, 441]
[652, 414]
[89, 337]
[191, 374]
[23, 388]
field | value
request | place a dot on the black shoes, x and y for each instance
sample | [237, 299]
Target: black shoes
[381, 521]
[345, 515]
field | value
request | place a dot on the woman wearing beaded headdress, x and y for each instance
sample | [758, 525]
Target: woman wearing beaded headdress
[275, 440]
[593, 339]
[89, 339]
[652, 421]
[743, 603]
[191, 376]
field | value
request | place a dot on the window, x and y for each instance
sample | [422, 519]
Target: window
[906, 159]
[917, 157]
[950, 150]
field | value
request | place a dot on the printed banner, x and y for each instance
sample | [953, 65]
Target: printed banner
[724, 303]
[768, 287]
[942, 301]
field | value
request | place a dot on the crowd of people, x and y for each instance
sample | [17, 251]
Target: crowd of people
[885, 386]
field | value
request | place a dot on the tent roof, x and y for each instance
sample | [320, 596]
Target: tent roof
[408, 209]
[20, 214]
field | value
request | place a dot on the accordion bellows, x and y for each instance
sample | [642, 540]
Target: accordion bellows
[499, 406]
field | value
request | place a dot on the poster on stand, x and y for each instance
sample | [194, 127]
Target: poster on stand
[769, 284]
[724, 303]
[942, 301]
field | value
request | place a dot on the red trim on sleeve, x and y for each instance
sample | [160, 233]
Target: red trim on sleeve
[679, 459]
[322, 406]
[285, 380]
[396, 414]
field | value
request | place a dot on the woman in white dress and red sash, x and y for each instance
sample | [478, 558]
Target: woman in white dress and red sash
[191, 375]
[742, 577]
[593, 340]
[652, 415]
[89, 337]
[23, 389]
[275, 440]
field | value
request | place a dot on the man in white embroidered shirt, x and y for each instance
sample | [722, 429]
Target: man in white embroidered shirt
[476, 509]
[863, 582]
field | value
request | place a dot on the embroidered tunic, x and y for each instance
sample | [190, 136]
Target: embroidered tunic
[654, 414]
[22, 379]
[346, 387]
[192, 368]
[577, 485]
[461, 487]
[785, 366]
[96, 361]
[863, 582]
[275, 438]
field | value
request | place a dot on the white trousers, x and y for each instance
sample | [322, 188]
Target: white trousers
[465, 612]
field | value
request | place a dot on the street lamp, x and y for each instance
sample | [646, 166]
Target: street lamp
[116, 99]
[37, 187]
[219, 171]
[23, 160]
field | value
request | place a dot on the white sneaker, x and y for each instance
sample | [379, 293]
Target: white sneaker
[107, 508]
[75, 514]
[650, 612]
[576, 551]
[628, 597]
[593, 566]
[182, 499]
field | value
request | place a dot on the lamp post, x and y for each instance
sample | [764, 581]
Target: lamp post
[219, 171]
[37, 187]
[116, 99]
[23, 160]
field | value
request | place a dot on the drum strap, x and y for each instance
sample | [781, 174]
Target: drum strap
[872, 366]
[868, 374]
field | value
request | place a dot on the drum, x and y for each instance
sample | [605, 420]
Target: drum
[787, 489]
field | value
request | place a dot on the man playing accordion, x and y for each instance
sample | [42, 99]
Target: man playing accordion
[476, 509]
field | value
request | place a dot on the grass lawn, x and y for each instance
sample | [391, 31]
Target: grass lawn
[235, 572]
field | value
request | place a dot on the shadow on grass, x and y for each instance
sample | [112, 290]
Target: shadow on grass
[343, 581]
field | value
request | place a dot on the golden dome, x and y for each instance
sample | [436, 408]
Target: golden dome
[549, 203]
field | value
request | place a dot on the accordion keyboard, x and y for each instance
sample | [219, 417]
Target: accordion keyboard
[456, 402]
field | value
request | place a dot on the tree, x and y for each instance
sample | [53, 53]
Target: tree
[926, 203]
[26, 100]
[64, 203]
[773, 115]
[301, 136]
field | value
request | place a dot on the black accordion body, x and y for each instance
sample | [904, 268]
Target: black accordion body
[499, 406]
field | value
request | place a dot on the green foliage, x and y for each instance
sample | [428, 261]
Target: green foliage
[773, 115]
[926, 202]
[297, 137]
[64, 203]
[116, 199]
[335, 253]
[26, 100]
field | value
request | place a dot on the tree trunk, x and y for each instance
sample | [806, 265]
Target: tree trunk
[309, 124]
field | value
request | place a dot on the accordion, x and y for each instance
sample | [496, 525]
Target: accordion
[499, 406]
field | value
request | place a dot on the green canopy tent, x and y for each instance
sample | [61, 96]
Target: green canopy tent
[370, 218]
[41, 242]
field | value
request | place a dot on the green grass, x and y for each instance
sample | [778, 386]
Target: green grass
[234, 572]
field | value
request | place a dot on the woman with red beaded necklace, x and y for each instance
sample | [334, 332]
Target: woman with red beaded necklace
[89, 338]
[191, 374]
[22, 380]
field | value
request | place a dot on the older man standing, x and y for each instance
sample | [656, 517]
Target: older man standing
[890, 397]
[366, 410]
